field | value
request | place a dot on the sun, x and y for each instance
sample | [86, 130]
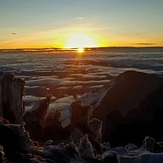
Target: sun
[80, 50]
[80, 41]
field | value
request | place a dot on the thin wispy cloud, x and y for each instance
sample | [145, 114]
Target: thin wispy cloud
[145, 43]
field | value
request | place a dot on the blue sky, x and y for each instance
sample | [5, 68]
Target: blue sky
[49, 22]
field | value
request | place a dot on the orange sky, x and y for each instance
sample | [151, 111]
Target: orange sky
[36, 24]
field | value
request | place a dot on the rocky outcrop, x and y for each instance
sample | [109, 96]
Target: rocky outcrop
[145, 119]
[16, 144]
[12, 90]
[35, 118]
[15, 141]
[81, 114]
[1, 75]
[129, 89]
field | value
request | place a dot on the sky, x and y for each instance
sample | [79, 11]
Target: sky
[53, 23]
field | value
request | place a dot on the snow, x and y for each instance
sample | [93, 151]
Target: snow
[65, 116]
[95, 97]
[143, 158]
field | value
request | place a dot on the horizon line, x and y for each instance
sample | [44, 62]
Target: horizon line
[70, 49]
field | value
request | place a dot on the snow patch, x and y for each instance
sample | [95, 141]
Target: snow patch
[95, 97]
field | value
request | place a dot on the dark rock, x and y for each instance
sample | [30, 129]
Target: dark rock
[145, 119]
[35, 118]
[53, 126]
[1, 75]
[86, 149]
[110, 157]
[62, 154]
[151, 145]
[81, 115]
[12, 90]
[15, 141]
[128, 91]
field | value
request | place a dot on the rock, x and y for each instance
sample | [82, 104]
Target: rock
[145, 119]
[76, 135]
[12, 90]
[114, 120]
[62, 154]
[81, 115]
[129, 89]
[2, 155]
[1, 75]
[36, 118]
[131, 147]
[149, 143]
[86, 149]
[95, 126]
[15, 140]
[110, 157]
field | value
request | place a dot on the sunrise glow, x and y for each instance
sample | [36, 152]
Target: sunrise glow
[80, 41]
[80, 50]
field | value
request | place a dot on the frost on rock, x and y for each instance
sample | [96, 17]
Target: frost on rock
[94, 98]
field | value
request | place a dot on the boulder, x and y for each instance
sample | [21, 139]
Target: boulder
[128, 91]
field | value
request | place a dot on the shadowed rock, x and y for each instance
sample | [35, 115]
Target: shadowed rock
[1, 75]
[81, 115]
[85, 148]
[15, 141]
[12, 90]
[145, 119]
[130, 88]
[36, 118]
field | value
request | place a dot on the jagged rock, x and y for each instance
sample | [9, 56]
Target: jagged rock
[76, 135]
[2, 155]
[1, 75]
[86, 149]
[12, 90]
[110, 156]
[145, 119]
[81, 115]
[129, 89]
[15, 140]
[36, 118]
[95, 126]
[62, 154]
[53, 119]
[54, 129]
[114, 120]
[131, 147]
[149, 143]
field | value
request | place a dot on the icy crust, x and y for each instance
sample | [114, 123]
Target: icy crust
[94, 98]
[65, 116]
